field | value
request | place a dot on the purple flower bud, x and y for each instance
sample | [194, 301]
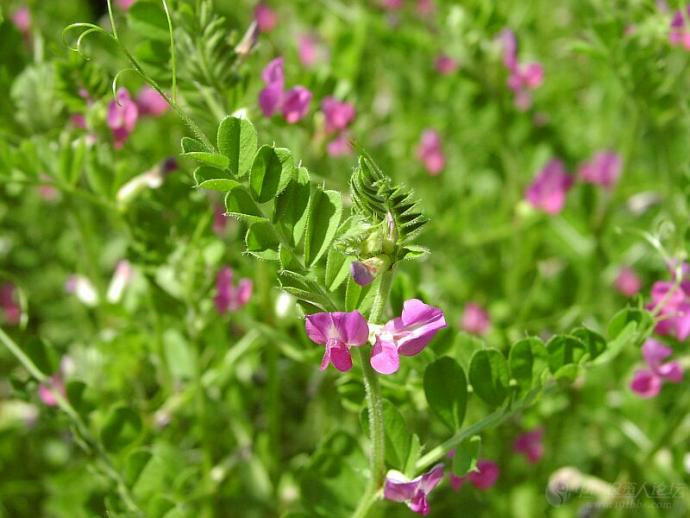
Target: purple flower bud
[296, 104]
[360, 273]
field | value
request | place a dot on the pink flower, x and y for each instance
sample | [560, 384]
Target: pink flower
[125, 4]
[228, 296]
[78, 121]
[548, 190]
[220, 221]
[308, 50]
[122, 117]
[338, 114]
[271, 99]
[679, 33]
[414, 493]
[46, 391]
[151, 102]
[430, 152]
[673, 304]
[484, 478]
[445, 65]
[274, 72]
[9, 304]
[296, 104]
[647, 382]
[627, 283]
[21, 18]
[408, 335]
[266, 18]
[522, 77]
[339, 146]
[530, 445]
[425, 7]
[338, 331]
[509, 43]
[603, 169]
[392, 5]
[475, 319]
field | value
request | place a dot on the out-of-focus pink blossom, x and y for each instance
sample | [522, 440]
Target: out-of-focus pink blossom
[430, 152]
[296, 104]
[627, 282]
[228, 296]
[475, 319]
[125, 4]
[12, 311]
[21, 18]
[522, 77]
[549, 189]
[122, 117]
[339, 146]
[392, 5]
[647, 382]
[46, 391]
[78, 121]
[150, 102]
[425, 7]
[220, 220]
[484, 478]
[338, 114]
[679, 33]
[445, 65]
[308, 50]
[266, 18]
[603, 169]
[530, 445]
[274, 72]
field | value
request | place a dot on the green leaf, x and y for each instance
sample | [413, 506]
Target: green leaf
[237, 140]
[215, 160]
[122, 427]
[208, 178]
[325, 210]
[528, 360]
[398, 440]
[305, 289]
[148, 19]
[134, 466]
[272, 170]
[337, 269]
[594, 342]
[288, 260]
[564, 350]
[191, 145]
[628, 328]
[262, 241]
[466, 455]
[239, 204]
[290, 209]
[413, 456]
[179, 355]
[39, 353]
[489, 376]
[445, 388]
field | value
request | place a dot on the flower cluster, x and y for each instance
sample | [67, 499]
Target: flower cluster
[293, 103]
[406, 335]
[430, 152]
[338, 116]
[523, 77]
[483, 478]
[530, 445]
[228, 296]
[672, 302]
[124, 111]
[647, 382]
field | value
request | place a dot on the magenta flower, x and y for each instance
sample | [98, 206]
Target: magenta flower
[475, 319]
[125, 4]
[228, 296]
[679, 33]
[548, 190]
[445, 65]
[308, 50]
[530, 445]
[338, 331]
[46, 391]
[9, 304]
[509, 44]
[270, 99]
[220, 220]
[21, 18]
[523, 77]
[408, 335]
[274, 72]
[627, 282]
[647, 382]
[414, 493]
[339, 146]
[430, 152]
[603, 169]
[673, 304]
[266, 18]
[425, 7]
[151, 102]
[296, 104]
[484, 478]
[338, 114]
[122, 117]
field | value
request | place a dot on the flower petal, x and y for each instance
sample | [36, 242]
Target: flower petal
[384, 357]
[398, 487]
[318, 327]
[352, 327]
[421, 322]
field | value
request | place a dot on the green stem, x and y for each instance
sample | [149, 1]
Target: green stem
[375, 405]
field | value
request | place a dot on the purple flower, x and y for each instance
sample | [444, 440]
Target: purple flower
[679, 33]
[430, 152]
[308, 50]
[296, 104]
[414, 493]
[228, 296]
[603, 169]
[338, 332]
[274, 72]
[122, 116]
[445, 65]
[484, 478]
[339, 146]
[338, 114]
[509, 43]
[46, 391]
[9, 304]
[150, 102]
[21, 18]
[522, 77]
[475, 319]
[627, 282]
[408, 335]
[530, 445]
[266, 18]
[548, 190]
[271, 99]
[647, 382]
[673, 304]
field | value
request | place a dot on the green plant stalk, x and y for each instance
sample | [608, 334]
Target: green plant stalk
[375, 405]
[93, 443]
